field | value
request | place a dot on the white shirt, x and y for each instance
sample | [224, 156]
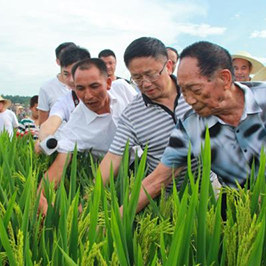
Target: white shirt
[121, 85]
[91, 131]
[8, 121]
[50, 92]
[63, 107]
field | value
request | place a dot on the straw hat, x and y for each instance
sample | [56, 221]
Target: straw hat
[7, 103]
[256, 65]
[260, 75]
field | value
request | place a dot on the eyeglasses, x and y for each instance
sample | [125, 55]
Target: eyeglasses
[148, 77]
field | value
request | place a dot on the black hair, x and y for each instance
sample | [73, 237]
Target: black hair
[88, 63]
[33, 100]
[106, 52]
[145, 47]
[172, 49]
[210, 56]
[73, 54]
[60, 48]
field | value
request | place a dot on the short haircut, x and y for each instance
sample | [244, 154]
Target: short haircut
[172, 49]
[73, 54]
[34, 100]
[88, 63]
[211, 57]
[106, 52]
[145, 47]
[60, 48]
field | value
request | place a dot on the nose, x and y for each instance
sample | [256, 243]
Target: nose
[189, 98]
[88, 95]
[145, 83]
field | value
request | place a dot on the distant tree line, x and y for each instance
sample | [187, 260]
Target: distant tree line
[23, 100]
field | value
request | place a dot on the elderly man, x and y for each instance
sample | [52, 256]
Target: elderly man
[244, 65]
[93, 123]
[234, 114]
[150, 118]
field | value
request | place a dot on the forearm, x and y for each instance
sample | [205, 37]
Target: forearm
[108, 160]
[43, 116]
[55, 171]
[49, 127]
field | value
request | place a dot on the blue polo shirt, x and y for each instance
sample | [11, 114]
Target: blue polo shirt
[232, 148]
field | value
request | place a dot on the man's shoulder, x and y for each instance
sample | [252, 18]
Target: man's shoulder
[51, 83]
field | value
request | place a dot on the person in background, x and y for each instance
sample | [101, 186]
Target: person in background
[8, 119]
[55, 87]
[30, 125]
[245, 65]
[172, 56]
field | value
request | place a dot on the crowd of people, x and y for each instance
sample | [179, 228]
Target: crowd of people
[88, 106]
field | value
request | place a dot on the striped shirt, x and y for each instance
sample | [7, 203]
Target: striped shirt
[145, 122]
[27, 126]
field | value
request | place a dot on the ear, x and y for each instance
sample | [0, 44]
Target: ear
[169, 66]
[226, 78]
[57, 61]
[109, 83]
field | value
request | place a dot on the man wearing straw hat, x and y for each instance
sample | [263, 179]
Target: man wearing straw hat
[244, 65]
[8, 119]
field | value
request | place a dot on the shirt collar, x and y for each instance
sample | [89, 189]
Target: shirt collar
[251, 106]
[90, 115]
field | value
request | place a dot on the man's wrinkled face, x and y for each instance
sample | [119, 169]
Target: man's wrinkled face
[242, 69]
[205, 95]
[91, 87]
[110, 63]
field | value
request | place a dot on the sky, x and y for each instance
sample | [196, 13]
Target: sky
[30, 31]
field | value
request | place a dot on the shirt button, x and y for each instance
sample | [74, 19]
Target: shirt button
[245, 150]
[237, 131]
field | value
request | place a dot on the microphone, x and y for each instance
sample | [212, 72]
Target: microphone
[49, 145]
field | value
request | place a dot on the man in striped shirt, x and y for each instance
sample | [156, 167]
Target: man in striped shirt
[30, 125]
[151, 117]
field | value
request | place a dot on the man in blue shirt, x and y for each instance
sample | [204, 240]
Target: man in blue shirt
[234, 114]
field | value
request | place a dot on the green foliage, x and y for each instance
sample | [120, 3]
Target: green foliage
[183, 228]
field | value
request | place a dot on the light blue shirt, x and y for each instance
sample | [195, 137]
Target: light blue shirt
[232, 148]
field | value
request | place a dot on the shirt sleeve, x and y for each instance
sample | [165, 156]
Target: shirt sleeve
[43, 103]
[60, 109]
[175, 154]
[125, 132]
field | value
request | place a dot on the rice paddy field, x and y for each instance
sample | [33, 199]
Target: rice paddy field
[182, 228]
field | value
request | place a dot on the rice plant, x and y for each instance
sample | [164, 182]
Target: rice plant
[183, 228]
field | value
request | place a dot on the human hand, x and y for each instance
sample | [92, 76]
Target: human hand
[43, 206]
[37, 147]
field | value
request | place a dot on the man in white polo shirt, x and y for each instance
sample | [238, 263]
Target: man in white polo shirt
[54, 88]
[93, 123]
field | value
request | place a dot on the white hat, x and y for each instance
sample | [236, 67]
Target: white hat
[7, 103]
[260, 75]
[256, 65]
